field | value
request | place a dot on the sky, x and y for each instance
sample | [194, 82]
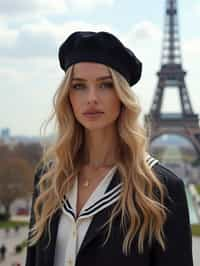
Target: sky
[32, 31]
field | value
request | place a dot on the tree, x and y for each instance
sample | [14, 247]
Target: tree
[5, 152]
[30, 152]
[15, 180]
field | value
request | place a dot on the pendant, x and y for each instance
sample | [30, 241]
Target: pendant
[86, 183]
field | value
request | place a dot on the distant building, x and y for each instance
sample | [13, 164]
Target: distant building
[5, 134]
[12, 141]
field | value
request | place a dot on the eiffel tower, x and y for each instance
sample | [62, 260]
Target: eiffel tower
[172, 74]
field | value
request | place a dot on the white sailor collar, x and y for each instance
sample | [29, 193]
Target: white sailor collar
[98, 200]
[106, 193]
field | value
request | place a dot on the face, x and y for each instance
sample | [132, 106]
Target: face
[93, 97]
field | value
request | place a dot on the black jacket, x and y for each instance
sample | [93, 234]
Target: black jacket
[177, 231]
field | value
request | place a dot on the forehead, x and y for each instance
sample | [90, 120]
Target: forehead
[90, 69]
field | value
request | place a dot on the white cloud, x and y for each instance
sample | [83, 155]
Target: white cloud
[144, 31]
[191, 55]
[18, 7]
[7, 37]
[145, 39]
[88, 5]
[196, 9]
[13, 8]
[192, 46]
[41, 38]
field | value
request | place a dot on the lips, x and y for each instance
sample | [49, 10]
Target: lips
[93, 113]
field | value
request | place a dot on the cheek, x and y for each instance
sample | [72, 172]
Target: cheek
[114, 107]
[75, 103]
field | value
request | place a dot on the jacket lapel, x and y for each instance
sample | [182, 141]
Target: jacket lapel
[49, 252]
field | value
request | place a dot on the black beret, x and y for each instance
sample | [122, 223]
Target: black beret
[100, 47]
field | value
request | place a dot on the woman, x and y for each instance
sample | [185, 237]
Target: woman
[99, 197]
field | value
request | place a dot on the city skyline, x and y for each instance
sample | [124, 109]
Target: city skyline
[30, 34]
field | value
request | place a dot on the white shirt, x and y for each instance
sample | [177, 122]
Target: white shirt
[71, 231]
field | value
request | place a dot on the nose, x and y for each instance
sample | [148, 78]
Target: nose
[92, 95]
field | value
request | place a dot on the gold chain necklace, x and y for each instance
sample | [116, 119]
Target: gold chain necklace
[87, 182]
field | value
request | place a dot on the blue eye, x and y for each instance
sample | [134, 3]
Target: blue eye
[78, 86]
[107, 84]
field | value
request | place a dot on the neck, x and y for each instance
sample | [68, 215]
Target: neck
[101, 147]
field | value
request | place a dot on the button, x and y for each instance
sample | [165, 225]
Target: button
[74, 233]
[74, 230]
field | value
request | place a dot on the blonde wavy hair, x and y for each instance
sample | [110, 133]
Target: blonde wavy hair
[139, 204]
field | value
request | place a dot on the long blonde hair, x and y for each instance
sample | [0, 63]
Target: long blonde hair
[138, 204]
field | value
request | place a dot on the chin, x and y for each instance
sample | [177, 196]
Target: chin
[97, 126]
[93, 127]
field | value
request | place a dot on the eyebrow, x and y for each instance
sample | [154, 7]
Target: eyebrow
[100, 78]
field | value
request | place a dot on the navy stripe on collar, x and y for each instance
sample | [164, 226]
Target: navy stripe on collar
[108, 198]
[67, 209]
[105, 201]
[105, 197]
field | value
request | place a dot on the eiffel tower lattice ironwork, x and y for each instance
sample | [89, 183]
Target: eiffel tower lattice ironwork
[172, 74]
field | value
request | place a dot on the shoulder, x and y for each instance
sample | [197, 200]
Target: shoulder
[173, 183]
[165, 175]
